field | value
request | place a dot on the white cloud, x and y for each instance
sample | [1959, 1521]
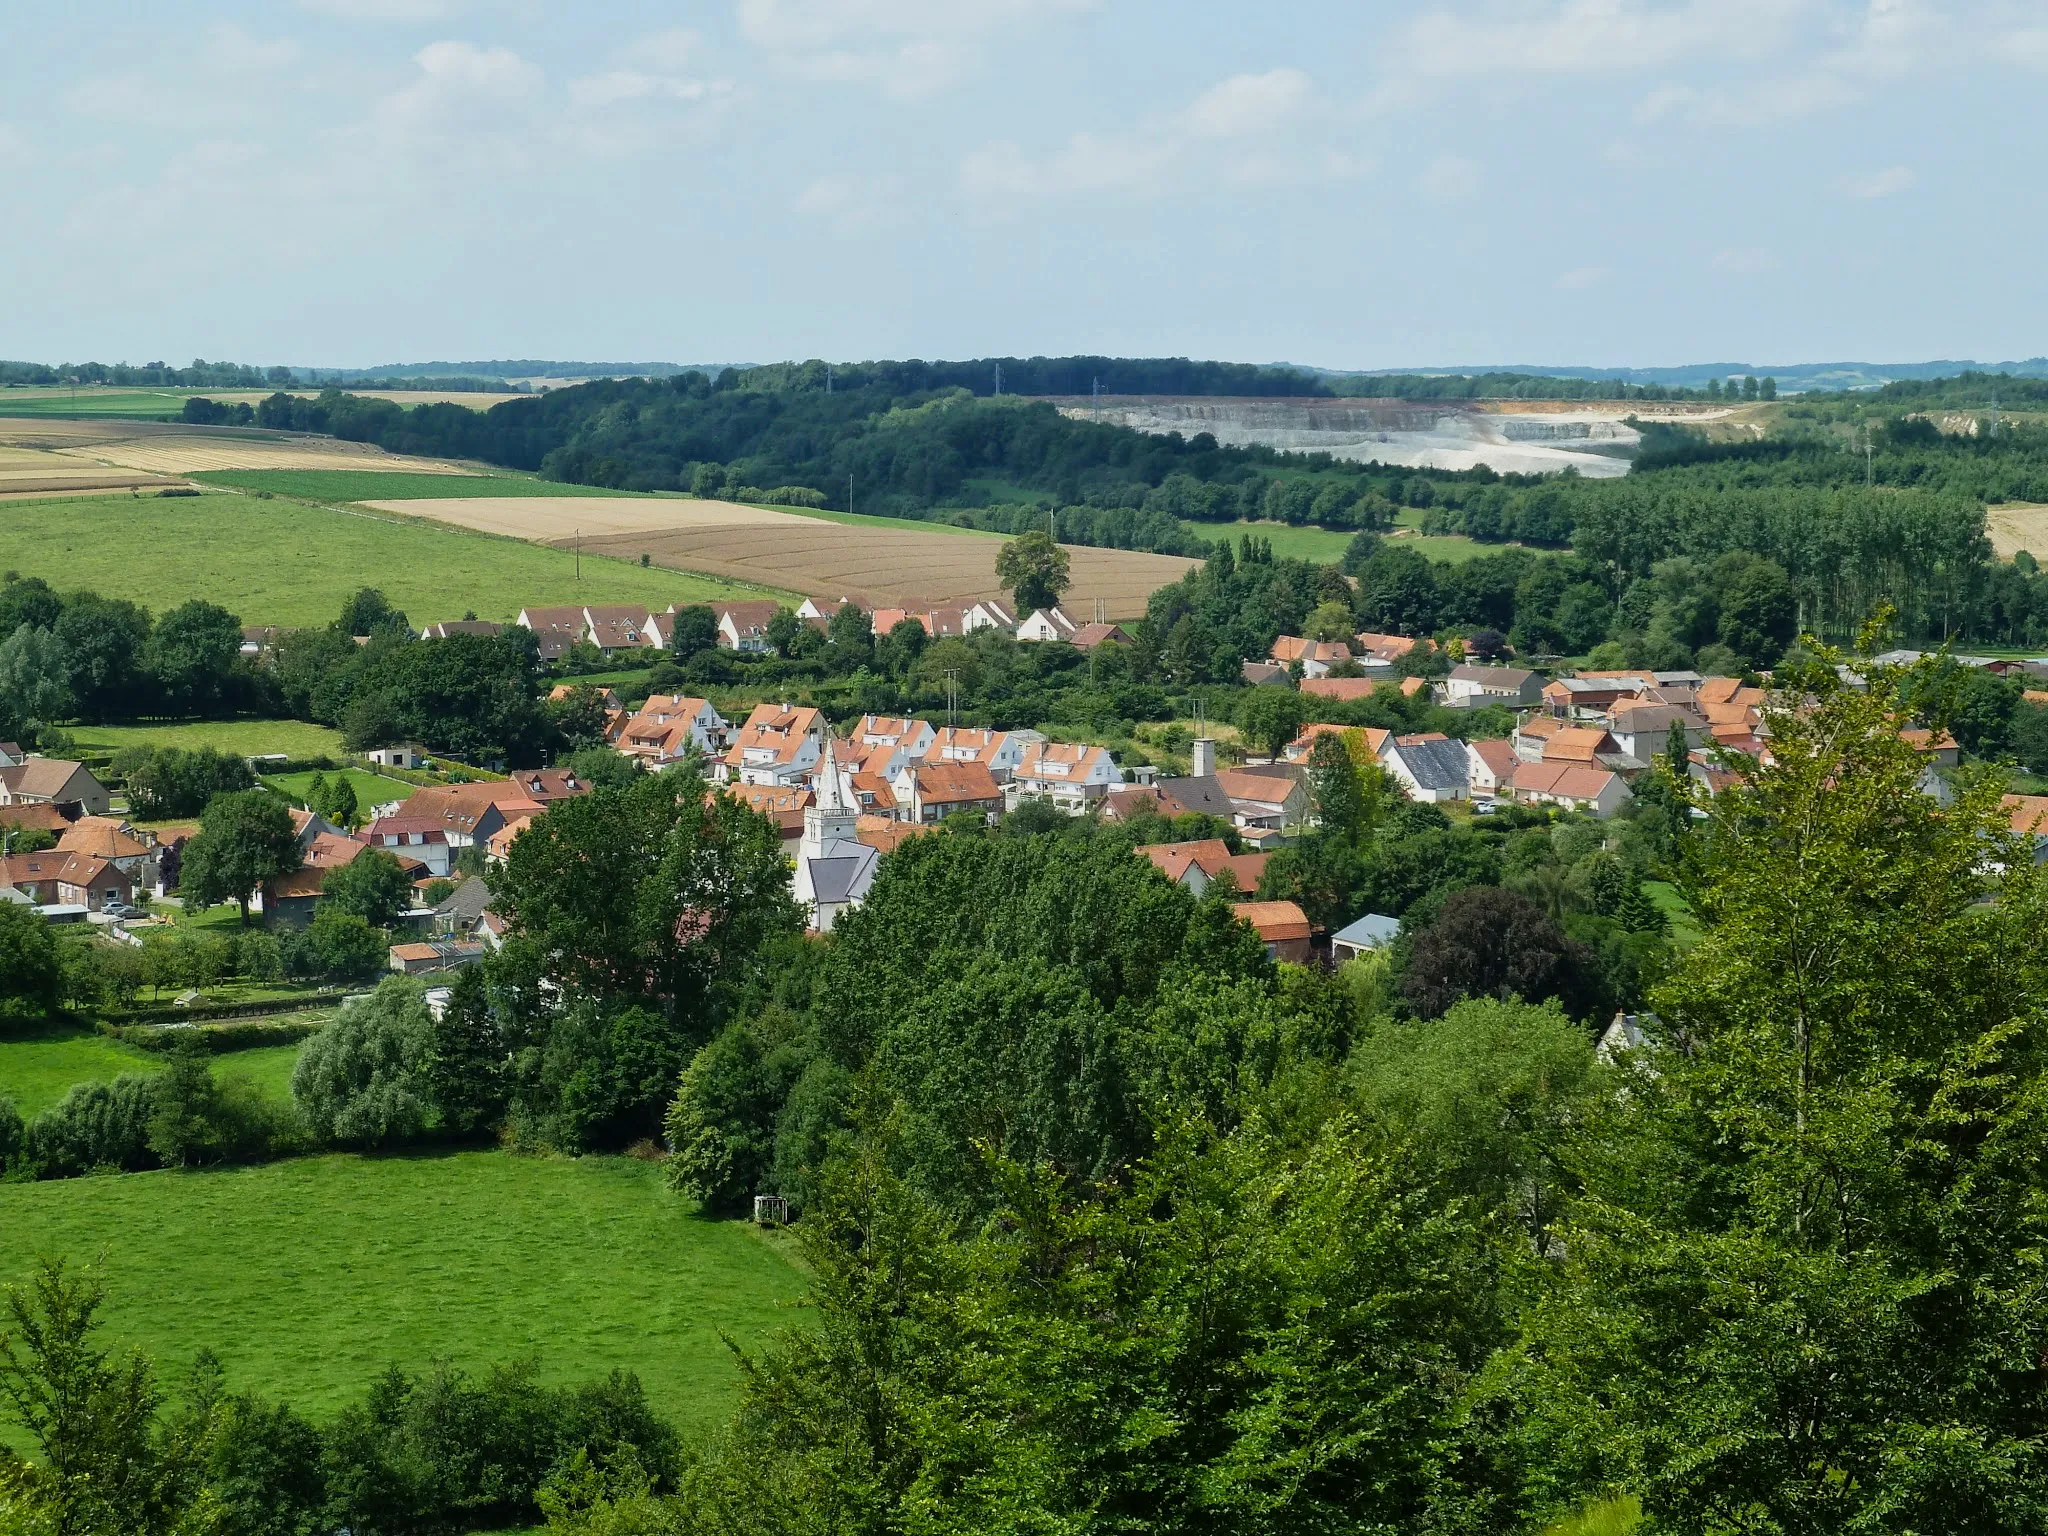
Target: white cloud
[1580, 278]
[13, 146]
[1450, 178]
[236, 50]
[466, 69]
[1247, 104]
[907, 49]
[1236, 130]
[850, 202]
[1584, 37]
[381, 10]
[1744, 261]
[1872, 184]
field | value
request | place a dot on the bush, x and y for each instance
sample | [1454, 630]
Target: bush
[337, 946]
[94, 1126]
[12, 1133]
[31, 970]
[359, 1081]
[171, 781]
[200, 1120]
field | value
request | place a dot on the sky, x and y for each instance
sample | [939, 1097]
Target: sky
[1342, 183]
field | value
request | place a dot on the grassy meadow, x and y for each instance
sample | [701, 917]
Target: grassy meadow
[308, 1277]
[284, 562]
[37, 1069]
[138, 403]
[370, 788]
[243, 738]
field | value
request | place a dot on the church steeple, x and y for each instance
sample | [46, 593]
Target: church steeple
[828, 819]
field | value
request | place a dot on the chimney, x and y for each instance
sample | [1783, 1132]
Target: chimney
[1205, 757]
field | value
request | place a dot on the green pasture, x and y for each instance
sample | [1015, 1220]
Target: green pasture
[1685, 926]
[284, 562]
[309, 1277]
[37, 1069]
[371, 788]
[243, 738]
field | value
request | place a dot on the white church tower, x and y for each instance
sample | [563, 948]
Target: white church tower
[834, 868]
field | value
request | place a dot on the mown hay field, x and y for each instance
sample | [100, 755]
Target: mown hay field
[286, 563]
[392, 481]
[884, 565]
[172, 449]
[309, 1277]
[148, 404]
[2017, 526]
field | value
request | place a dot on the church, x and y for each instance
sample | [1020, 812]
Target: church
[834, 869]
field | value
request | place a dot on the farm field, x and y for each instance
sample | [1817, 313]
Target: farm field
[37, 1070]
[395, 483]
[1325, 546]
[828, 558]
[308, 1277]
[172, 448]
[243, 738]
[148, 403]
[2017, 526]
[281, 562]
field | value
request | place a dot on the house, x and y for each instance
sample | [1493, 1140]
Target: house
[885, 834]
[2029, 819]
[409, 754]
[814, 608]
[1271, 798]
[116, 843]
[1070, 777]
[432, 955]
[1373, 931]
[449, 628]
[1490, 768]
[1376, 650]
[871, 793]
[544, 786]
[1315, 657]
[1089, 636]
[1047, 624]
[1430, 767]
[53, 781]
[258, 640]
[987, 614]
[293, 897]
[1346, 689]
[744, 626]
[834, 868]
[1470, 687]
[1644, 731]
[420, 837]
[498, 846]
[1575, 786]
[671, 725]
[931, 791]
[1533, 734]
[915, 737]
[58, 879]
[619, 628]
[1369, 738]
[1200, 795]
[1589, 696]
[1195, 866]
[783, 804]
[778, 746]
[1281, 926]
[460, 913]
[53, 819]
[1265, 674]
[998, 751]
[11, 755]
[1939, 750]
[467, 814]
[554, 629]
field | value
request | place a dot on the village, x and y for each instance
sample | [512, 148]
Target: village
[844, 797]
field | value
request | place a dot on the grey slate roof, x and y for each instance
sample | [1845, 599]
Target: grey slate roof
[844, 877]
[1437, 764]
[1375, 930]
[465, 904]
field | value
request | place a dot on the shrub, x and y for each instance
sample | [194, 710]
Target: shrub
[12, 1133]
[31, 971]
[359, 1080]
[95, 1125]
[338, 946]
[200, 1119]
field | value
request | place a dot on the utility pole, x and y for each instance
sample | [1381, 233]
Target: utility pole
[999, 381]
[952, 697]
[1097, 392]
[579, 554]
[1869, 458]
[828, 378]
[849, 490]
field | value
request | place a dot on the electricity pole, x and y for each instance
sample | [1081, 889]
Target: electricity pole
[999, 381]
[579, 554]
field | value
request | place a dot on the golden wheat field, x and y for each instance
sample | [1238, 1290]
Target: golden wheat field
[168, 449]
[2018, 526]
[886, 566]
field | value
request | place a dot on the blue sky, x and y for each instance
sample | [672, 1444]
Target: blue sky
[1615, 182]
